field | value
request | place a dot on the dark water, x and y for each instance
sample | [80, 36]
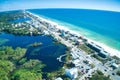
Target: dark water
[47, 52]
[21, 20]
[103, 23]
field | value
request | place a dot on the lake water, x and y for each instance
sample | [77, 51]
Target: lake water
[47, 52]
[20, 20]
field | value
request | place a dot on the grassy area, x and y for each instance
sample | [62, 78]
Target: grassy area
[99, 58]
[118, 72]
[99, 76]
[85, 48]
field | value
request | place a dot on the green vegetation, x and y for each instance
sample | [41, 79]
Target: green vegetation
[118, 72]
[85, 48]
[22, 61]
[92, 65]
[68, 59]
[117, 60]
[99, 58]
[8, 60]
[35, 44]
[68, 56]
[35, 65]
[85, 61]
[11, 15]
[99, 76]
[7, 53]
[23, 74]
[115, 57]
[5, 68]
[14, 66]
[17, 28]
[2, 41]
[61, 71]
[52, 75]
[30, 70]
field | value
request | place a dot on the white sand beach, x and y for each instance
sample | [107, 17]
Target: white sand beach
[105, 47]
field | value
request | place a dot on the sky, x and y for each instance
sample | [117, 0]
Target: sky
[111, 5]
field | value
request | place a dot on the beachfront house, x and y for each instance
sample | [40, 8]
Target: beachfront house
[103, 54]
[94, 47]
[62, 33]
[98, 49]
[115, 66]
[46, 32]
[76, 62]
[59, 78]
[72, 73]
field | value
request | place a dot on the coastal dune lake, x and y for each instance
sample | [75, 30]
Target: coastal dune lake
[47, 52]
[98, 25]
[20, 20]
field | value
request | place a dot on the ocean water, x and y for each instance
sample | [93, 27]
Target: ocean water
[101, 26]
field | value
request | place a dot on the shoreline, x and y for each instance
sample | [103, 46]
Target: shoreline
[113, 52]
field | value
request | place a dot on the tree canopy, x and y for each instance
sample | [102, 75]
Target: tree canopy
[14, 66]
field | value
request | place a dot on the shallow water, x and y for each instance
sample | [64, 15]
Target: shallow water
[101, 26]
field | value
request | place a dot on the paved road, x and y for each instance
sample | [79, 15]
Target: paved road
[81, 55]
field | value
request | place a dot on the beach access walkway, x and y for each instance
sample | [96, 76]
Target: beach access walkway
[80, 53]
[60, 58]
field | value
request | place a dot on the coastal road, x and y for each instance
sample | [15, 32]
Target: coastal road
[81, 54]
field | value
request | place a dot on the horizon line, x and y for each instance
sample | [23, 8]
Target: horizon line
[60, 8]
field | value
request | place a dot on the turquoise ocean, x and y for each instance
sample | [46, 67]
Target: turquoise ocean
[98, 25]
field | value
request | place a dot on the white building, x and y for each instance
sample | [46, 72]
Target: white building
[72, 73]
[46, 32]
[114, 65]
[104, 54]
[93, 45]
[59, 78]
[76, 62]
